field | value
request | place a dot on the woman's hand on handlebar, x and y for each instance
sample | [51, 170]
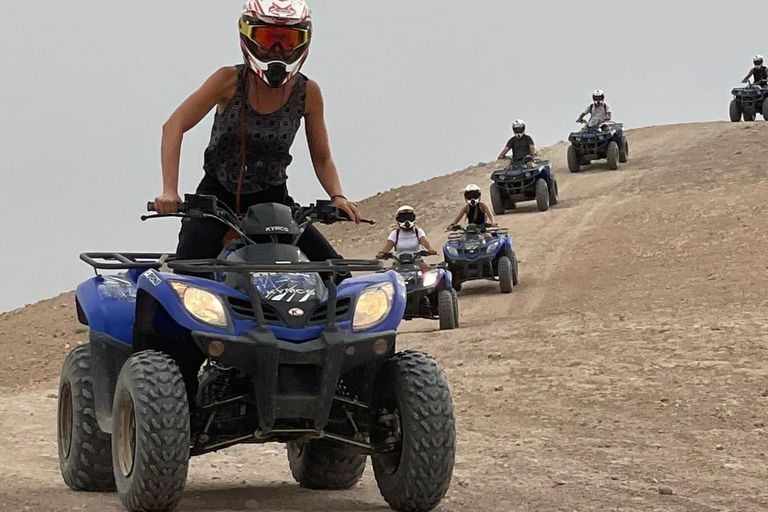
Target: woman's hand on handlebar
[432, 252]
[348, 207]
[381, 255]
[167, 202]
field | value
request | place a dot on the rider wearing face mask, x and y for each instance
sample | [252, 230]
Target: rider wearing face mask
[598, 111]
[520, 144]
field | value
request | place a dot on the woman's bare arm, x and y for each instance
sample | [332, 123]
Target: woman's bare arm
[320, 151]
[216, 90]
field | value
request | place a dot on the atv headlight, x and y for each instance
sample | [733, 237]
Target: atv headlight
[492, 246]
[452, 250]
[430, 279]
[373, 306]
[201, 304]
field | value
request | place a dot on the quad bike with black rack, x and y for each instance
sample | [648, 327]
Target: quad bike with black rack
[480, 251]
[748, 101]
[604, 141]
[430, 293]
[267, 348]
[518, 183]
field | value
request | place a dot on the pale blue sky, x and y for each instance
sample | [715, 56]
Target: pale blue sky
[413, 89]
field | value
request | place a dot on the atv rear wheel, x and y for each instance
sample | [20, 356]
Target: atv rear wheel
[613, 155]
[735, 111]
[574, 159]
[85, 454]
[749, 116]
[624, 153]
[319, 464]
[416, 427]
[455, 297]
[497, 200]
[446, 310]
[542, 195]
[506, 274]
[553, 193]
[150, 442]
[515, 269]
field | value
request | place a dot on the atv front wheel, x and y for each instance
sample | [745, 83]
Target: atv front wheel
[515, 269]
[455, 297]
[85, 455]
[414, 432]
[553, 193]
[624, 153]
[765, 109]
[506, 275]
[319, 464]
[613, 155]
[446, 310]
[542, 195]
[574, 159]
[150, 442]
[749, 116]
[497, 201]
[735, 111]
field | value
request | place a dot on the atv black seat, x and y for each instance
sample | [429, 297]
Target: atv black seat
[125, 260]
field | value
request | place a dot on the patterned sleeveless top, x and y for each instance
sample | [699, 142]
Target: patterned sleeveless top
[269, 138]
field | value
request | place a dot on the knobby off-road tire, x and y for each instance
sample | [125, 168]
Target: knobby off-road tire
[613, 155]
[85, 451]
[455, 297]
[150, 442]
[542, 195]
[749, 116]
[506, 275]
[554, 193]
[515, 268]
[416, 475]
[497, 201]
[574, 160]
[446, 310]
[322, 465]
[624, 153]
[765, 109]
[735, 111]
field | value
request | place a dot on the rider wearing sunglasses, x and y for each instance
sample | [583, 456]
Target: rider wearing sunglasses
[260, 106]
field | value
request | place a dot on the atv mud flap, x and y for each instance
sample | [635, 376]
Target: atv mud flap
[297, 380]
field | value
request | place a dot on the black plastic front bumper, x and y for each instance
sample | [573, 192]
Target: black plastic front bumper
[298, 380]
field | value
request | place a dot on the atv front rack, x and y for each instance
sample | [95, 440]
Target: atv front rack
[125, 260]
[493, 231]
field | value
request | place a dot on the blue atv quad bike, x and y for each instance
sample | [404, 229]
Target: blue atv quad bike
[271, 350]
[518, 183]
[471, 255]
[749, 101]
[429, 294]
[597, 142]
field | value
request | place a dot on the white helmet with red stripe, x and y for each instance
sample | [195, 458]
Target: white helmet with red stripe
[275, 37]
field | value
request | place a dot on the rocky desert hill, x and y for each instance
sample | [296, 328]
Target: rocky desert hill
[626, 373]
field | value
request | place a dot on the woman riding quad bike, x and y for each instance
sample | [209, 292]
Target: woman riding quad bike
[260, 106]
[476, 211]
[407, 238]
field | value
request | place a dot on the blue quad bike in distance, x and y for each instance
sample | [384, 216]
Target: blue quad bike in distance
[260, 345]
[518, 183]
[597, 142]
[749, 101]
[470, 255]
[429, 294]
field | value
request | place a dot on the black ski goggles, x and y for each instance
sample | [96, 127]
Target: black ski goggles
[406, 217]
[472, 194]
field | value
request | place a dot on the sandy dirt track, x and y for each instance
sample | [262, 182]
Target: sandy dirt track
[626, 373]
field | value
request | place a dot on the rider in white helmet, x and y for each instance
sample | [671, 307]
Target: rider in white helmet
[521, 144]
[407, 238]
[261, 104]
[598, 111]
[475, 210]
[758, 73]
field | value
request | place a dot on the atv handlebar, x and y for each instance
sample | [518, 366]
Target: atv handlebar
[180, 207]
[392, 256]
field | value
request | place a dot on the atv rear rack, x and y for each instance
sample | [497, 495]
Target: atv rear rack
[125, 260]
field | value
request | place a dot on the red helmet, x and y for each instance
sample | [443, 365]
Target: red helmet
[275, 37]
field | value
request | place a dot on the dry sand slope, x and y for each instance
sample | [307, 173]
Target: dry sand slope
[627, 372]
